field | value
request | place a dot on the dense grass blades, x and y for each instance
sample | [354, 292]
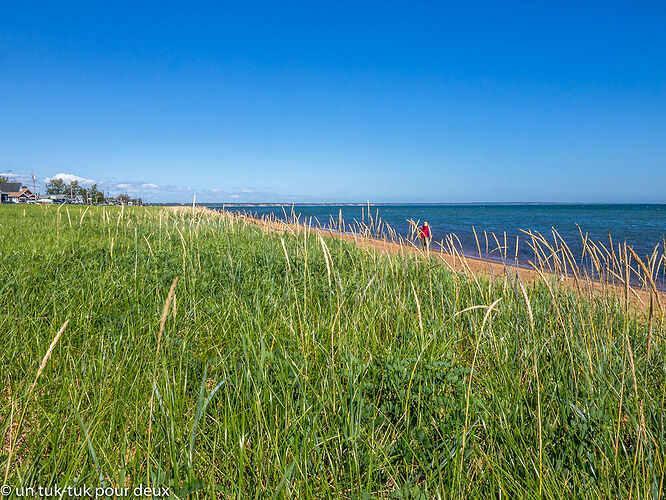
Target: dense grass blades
[215, 357]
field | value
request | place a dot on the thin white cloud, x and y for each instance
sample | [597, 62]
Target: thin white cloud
[68, 178]
[12, 177]
[217, 195]
[156, 193]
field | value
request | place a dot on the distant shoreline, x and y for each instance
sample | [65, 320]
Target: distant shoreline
[475, 265]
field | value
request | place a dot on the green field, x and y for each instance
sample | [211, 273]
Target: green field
[294, 366]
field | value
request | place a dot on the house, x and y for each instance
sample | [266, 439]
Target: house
[18, 193]
[123, 199]
[6, 188]
[23, 195]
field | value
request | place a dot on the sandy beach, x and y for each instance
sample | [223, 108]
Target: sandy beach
[475, 266]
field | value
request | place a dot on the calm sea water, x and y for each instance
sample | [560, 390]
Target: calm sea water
[642, 226]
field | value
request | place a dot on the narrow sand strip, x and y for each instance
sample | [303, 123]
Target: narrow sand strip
[477, 266]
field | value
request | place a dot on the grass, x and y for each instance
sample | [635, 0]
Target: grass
[282, 364]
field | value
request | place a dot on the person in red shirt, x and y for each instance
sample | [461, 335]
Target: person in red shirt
[425, 235]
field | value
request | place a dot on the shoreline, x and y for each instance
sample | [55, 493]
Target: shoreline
[475, 266]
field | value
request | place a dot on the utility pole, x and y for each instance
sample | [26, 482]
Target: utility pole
[34, 186]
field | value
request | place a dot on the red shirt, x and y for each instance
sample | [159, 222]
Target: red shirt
[425, 232]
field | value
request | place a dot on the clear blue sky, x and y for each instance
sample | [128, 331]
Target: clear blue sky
[345, 101]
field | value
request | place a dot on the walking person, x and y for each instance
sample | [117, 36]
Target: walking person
[426, 235]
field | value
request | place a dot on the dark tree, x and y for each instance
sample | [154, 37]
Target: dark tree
[94, 195]
[56, 186]
[75, 189]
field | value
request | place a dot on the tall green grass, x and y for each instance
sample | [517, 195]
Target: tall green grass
[284, 364]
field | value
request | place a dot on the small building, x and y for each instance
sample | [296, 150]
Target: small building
[123, 199]
[6, 188]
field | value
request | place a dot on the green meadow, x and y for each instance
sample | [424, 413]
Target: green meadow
[283, 365]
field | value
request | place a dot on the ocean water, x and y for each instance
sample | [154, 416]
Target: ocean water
[642, 226]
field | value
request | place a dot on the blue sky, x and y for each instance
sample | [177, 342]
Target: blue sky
[343, 101]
